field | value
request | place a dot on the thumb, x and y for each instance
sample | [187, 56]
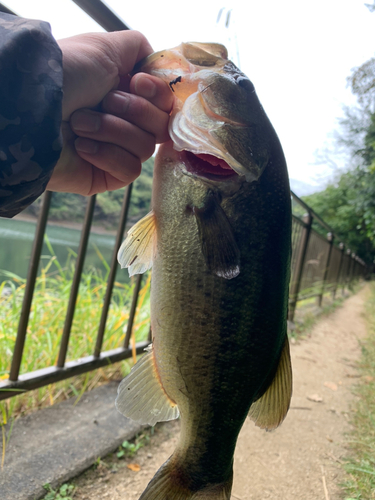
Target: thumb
[94, 63]
[127, 48]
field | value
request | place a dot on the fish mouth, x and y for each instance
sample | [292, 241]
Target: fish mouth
[207, 166]
[215, 111]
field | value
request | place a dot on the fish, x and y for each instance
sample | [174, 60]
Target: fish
[218, 239]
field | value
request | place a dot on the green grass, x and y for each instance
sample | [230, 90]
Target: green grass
[360, 464]
[64, 492]
[113, 462]
[130, 448]
[45, 327]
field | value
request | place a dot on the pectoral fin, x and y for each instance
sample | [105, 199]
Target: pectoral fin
[141, 396]
[270, 410]
[136, 252]
[218, 243]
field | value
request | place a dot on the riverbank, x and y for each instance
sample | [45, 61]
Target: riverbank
[95, 228]
[61, 242]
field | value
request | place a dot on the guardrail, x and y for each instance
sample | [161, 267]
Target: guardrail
[318, 264]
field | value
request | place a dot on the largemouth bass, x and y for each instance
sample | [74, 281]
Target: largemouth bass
[218, 240]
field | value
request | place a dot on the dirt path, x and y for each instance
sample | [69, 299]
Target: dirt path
[300, 460]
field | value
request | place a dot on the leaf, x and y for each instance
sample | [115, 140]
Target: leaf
[134, 467]
[50, 496]
[316, 398]
[331, 385]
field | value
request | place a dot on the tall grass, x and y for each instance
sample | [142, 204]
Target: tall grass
[360, 465]
[47, 316]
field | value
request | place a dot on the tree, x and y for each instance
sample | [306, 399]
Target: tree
[340, 206]
[348, 205]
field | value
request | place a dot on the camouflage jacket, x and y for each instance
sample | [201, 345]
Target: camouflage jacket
[30, 110]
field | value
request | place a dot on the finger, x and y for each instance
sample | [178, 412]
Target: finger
[109, 158]
[127, 48]
[153, 89]
[103, 181]
[140, 112]
[112, 129]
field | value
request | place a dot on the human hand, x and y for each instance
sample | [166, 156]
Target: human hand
[123, 118]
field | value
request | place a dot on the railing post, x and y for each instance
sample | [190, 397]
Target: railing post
[337, 280]
[348, 252]
[355, 268]
[330, 238]
[30, 284]
[113, 270]
[133, 309]
[295, 286]
[351, 275]
[64, 343]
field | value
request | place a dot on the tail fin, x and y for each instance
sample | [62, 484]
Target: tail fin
[165, 485]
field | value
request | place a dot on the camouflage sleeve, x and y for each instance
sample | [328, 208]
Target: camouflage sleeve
[30, 110]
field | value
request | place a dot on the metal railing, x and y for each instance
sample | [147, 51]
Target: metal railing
[106, 18]
[317, 265]
[63, 369]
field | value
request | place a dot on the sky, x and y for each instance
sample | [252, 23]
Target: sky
[298, 54]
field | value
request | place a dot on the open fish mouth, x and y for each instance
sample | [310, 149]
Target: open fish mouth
[216, 114]
[207, 166]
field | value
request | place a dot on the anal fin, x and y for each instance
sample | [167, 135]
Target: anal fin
[270, 410]
[136, 252]
[141, 396]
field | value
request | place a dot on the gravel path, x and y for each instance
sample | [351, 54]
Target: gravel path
[298, 461]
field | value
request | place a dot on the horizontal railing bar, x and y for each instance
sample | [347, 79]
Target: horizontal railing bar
[102, 14]
[337, 240]
[327, 290]
[52, 374]
[305, 297]
[5, 9]
[311, 211]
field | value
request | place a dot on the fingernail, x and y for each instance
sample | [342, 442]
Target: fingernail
[144, 87]
[85, 121]
[86, 145]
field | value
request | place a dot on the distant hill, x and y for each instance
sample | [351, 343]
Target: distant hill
[301, 188]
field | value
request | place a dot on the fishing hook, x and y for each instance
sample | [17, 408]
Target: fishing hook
[173, 82]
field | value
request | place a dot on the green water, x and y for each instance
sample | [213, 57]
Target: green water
[16, 239]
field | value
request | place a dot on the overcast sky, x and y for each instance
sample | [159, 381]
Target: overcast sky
[297, 53]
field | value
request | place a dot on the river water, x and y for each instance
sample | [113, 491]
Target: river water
[16, 239]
